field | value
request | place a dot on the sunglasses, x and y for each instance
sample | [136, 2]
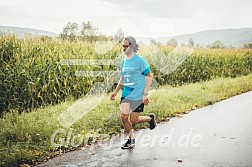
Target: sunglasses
[126, 46]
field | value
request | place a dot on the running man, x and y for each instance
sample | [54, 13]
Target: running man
[136, 78]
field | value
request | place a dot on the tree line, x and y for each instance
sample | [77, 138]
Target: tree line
[87, 32]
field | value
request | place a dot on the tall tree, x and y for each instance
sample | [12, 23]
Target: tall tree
[88, 31]
[190, 42]
[118, 37]
[172, 42]
[70, 31]
[217, 45]
[153, 42]
[247, 45]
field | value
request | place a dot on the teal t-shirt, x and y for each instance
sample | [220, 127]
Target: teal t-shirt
[134, 71]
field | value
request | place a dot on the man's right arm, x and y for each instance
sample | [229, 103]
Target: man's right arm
[118, 87]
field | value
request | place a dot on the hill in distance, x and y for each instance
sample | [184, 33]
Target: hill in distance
[229, 37]
[21, 32]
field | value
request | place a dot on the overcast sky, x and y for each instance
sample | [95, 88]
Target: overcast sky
[145, 18]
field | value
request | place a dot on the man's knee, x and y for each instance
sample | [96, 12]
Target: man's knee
[125, 117]
[134, 120]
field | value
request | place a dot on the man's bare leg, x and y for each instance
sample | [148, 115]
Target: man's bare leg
[125, 111]
[136, 119]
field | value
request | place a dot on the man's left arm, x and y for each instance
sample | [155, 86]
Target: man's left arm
[147, 88]
[148, 83]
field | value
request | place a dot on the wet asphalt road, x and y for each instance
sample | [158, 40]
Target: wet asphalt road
[219, 135]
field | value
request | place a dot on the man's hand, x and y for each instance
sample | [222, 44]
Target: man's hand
[113, 95]
[145, 100]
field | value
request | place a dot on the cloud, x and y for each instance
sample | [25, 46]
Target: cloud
[177, 9]
[10, 10]
[174, 17]
[160, 8]
[149, 18]
[53, 15]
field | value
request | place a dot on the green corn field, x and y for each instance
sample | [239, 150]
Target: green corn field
[32, 76]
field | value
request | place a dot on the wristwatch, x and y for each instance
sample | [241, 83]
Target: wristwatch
[145, 93]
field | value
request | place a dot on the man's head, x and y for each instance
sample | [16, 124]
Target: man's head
[129, 45]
